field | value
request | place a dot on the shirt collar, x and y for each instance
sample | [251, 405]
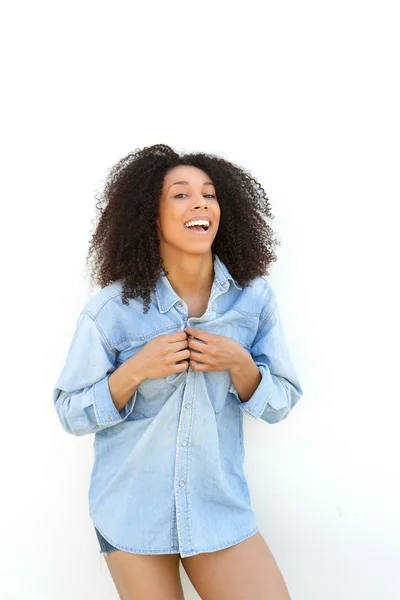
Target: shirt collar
[167, 297]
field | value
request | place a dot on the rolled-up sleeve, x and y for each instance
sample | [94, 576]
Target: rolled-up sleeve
[81, 394]
[279, 389]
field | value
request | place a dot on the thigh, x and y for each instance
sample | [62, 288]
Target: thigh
[144, 576]
[245, 570]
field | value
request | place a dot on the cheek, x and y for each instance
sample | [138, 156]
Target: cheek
[171, 213]
[171, 224]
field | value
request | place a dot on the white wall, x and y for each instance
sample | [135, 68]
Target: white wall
[306, 96]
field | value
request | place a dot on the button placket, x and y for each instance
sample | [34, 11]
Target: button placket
[183, 513]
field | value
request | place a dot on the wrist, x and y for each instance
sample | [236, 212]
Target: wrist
[243, 361]
[246, 378]
[136, 371]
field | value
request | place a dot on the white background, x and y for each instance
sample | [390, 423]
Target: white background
[306, 96]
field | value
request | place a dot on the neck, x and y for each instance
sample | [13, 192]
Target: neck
[189, 274]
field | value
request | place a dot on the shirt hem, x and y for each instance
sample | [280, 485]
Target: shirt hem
[136, 550]
[175, 549]
[220, 546]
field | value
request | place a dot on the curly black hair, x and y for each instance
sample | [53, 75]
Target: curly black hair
[125, 243]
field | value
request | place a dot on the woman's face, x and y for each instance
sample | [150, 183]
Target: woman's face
[188, 194]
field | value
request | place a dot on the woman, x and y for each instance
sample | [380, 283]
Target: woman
[183, 337]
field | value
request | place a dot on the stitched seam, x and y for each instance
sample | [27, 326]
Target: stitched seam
[268, 316]
[242, 312]
[126, 339]
[260, 412]
[161, 305]
[221, 546]
[191, 425]
[176, 548]
[120, 547]
[109, 346]
[144, 337]
[102, 306]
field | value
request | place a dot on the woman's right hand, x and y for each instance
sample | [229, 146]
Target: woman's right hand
[162, 356]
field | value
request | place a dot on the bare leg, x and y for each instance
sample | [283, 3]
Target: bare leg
[144, 576]
[246, 570]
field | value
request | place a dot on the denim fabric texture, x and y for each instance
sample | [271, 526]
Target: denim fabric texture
[168, 471]
[105, 547]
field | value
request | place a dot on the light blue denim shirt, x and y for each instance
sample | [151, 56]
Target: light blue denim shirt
[168, 468]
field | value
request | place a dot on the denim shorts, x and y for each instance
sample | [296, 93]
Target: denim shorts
[105, 547]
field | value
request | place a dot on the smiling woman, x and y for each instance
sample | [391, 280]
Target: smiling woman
[183, 338]
[126, 243]
[188, 202]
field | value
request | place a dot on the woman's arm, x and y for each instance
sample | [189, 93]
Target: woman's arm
[245, 376]
[84, 399]
[123, 382]
[278, 389]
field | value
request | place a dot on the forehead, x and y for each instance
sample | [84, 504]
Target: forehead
[186, 173]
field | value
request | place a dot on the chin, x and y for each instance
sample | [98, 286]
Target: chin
[197, 251]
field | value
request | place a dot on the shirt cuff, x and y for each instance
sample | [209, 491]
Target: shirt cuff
[256, 404]
[104, 408]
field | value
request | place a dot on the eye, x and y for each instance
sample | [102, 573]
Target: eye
[182, 194]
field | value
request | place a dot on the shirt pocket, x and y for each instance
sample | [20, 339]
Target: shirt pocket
[241, 330]
[154, 393]
[217, 385]
[220, 406]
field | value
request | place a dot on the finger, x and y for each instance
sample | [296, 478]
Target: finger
[181, 366]
[176, 346]
[199, 333]
[199, 346]
[182, 355]
[196, 366]
[176, 336]
[199, 356]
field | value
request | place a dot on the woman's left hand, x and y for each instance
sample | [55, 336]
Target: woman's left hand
[213, 352]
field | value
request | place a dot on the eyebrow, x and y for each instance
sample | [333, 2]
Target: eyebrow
[180, 182]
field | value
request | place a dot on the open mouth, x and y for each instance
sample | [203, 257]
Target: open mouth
[199, 229]
[200, 226]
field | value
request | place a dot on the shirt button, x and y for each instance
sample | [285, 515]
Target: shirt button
[187, 405]
[183, 443]
[249, 408]
[180, 304]
[224, 283]
[109, 417]
[181, 483]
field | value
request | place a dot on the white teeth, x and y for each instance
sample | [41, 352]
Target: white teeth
[201, 222]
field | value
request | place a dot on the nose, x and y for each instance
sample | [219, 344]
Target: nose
[201, 202]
